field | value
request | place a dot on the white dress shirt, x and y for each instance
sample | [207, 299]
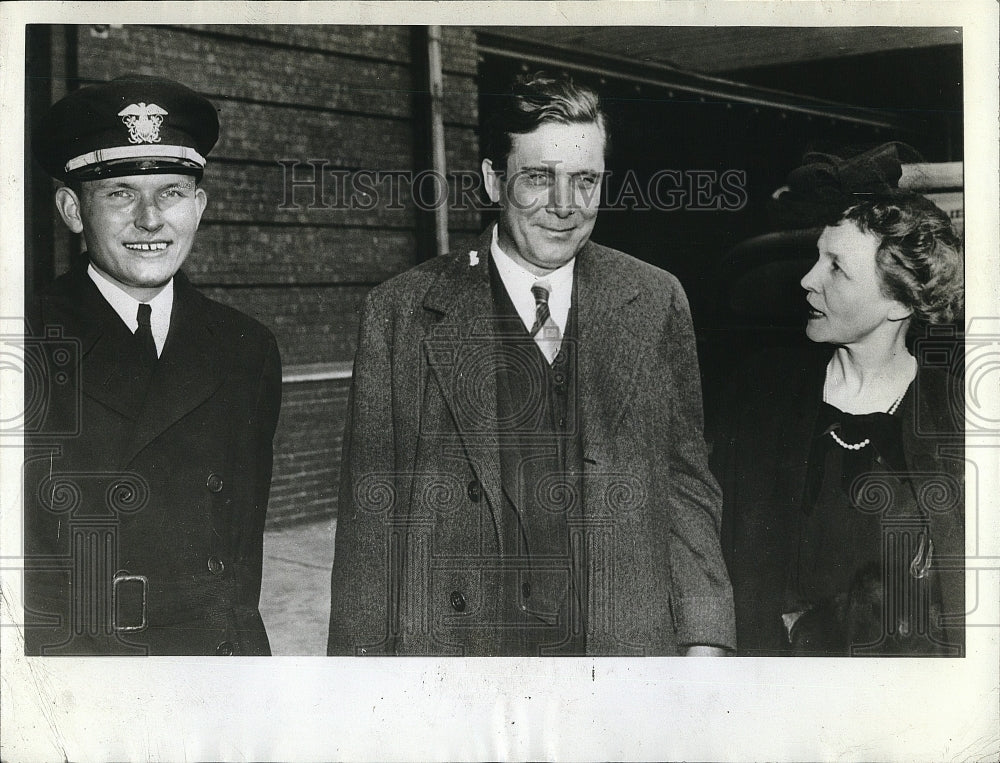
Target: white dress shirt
[518, 282]
[127, 306]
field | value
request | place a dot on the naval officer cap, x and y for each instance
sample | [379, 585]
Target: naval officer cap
[132, 125]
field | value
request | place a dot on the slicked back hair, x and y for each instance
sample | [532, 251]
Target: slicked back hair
[533, 101]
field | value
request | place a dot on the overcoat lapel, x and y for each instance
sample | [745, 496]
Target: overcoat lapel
[460, 350]
[189, 371]
[79, 310]
[611, 346]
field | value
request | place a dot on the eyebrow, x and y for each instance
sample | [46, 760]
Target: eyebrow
[551, 169]
[823, 249]
[836, 259]
[133, 187]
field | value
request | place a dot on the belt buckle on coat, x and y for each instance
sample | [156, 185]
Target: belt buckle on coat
[125, 577]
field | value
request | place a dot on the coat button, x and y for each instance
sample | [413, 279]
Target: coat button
[475, 491]
[214, 482]
[225, 649]
[525, 590]
[215, 565]
[457, 601]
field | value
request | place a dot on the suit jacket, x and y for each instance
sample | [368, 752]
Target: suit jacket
[144, 515]
[420, 521]
[761, 461]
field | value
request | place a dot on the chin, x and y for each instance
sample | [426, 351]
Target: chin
[560, 256]
[816, 335]
[152, 280]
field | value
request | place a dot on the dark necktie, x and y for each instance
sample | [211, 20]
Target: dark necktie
[545, 332]
[145, 347]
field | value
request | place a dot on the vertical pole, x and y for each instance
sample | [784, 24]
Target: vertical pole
[439, 164]
[39, 210]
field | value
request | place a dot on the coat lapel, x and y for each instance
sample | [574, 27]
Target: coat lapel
[189, 371]
[79, 311]
[610, 348]
[460, 350]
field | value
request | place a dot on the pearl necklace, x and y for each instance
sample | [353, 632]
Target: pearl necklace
[867, 441]
[855, 446]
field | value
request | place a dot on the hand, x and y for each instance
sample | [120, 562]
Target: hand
[701, 650]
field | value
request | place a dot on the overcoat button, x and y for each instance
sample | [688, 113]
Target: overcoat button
[526, 590]
[475, 491]
[225, 649]
[214, 482]
[215, 565]
[457, 601]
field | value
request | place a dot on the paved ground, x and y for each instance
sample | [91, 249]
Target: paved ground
[295, 591]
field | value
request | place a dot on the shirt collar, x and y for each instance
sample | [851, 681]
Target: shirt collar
[127, 306]
[518, 280]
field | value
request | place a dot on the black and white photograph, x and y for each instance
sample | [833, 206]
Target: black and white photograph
[606, 381]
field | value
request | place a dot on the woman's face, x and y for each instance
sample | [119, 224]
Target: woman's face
[844, 289]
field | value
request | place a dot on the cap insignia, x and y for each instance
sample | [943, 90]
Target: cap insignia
[143, 122]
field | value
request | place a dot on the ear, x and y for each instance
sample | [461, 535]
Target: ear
[68, 204]
[492, 181]
[201, 201]
[900, 312]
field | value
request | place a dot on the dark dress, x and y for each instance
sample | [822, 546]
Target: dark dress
[836, 536]
[835, 551]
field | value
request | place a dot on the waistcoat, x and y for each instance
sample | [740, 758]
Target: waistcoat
[540, 463]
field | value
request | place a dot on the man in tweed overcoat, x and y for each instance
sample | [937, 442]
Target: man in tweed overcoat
[524, 467]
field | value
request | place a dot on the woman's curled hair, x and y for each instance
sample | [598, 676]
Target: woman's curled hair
[920, 258]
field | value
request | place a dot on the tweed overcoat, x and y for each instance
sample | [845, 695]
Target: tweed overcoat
[419, 513]
[761, 460]
[144, 516]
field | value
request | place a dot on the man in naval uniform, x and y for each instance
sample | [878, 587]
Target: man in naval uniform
[524, 467]
[148, 460]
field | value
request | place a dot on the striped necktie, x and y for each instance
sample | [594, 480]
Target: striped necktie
[545, 332]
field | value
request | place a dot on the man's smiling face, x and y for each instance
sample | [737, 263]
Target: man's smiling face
[549, 193]
[139, 229]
